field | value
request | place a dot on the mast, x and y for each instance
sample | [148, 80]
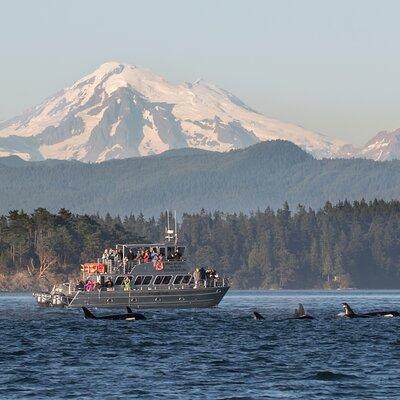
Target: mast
[176, 230]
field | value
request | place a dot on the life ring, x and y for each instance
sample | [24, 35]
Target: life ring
[159, 265]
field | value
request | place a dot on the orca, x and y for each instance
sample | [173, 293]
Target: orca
[349, 313]
[300, 313]
[258, 316]
[130, 316]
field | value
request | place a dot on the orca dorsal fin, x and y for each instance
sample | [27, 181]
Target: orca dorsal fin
[129, 310]
[88, 313]
[258, 316]
[347, 310]
[301, 310]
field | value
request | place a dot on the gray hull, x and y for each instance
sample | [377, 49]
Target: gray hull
[140, 299]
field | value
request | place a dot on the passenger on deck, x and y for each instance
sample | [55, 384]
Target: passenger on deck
[126, 283]
[203, 276]
[109, 284]
[146, 256]
[139, 256]
[80, 286]
[89, 285]
[177, 255]
[154, 256]
[196, 277]
[105, 255]
[130, 256]
[120, 254]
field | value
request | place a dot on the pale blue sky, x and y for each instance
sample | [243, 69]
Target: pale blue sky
[330, 66]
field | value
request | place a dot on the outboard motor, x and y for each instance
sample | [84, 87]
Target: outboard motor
[59, 300]
[43, 299]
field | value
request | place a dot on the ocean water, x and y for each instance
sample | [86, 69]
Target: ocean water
[219, 353]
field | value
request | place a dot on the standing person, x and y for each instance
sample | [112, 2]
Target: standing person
[130, 255]
[154, 256]
[196, 277]
[105, 256]
[126, 283]
[203, 276]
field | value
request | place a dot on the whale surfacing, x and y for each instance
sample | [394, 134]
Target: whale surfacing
[257, 316]
[130, 316]
[349, 313]
[300, 313]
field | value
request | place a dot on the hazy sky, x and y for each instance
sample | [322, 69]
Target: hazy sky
[330, 66]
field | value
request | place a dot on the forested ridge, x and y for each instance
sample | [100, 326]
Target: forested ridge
[344, 245]
[265, 174]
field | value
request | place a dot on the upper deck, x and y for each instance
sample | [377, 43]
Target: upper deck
[144, 258]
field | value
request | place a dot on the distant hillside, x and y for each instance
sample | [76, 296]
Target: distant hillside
[265, 174]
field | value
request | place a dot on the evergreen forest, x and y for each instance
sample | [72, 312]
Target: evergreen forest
[340, 245]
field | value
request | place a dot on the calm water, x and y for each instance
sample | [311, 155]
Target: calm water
[219, 353]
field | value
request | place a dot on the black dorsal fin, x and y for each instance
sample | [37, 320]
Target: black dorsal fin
[347, 310]
[129, 310]
[88, 314]
[301, 310]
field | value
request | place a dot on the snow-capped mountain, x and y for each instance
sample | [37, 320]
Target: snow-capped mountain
[384, 146]
[122, 111]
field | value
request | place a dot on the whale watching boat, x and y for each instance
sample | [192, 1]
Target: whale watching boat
[141, 276]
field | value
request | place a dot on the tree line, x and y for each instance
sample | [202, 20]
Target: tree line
[343, 245]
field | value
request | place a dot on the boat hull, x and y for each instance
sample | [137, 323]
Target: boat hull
[150, 299]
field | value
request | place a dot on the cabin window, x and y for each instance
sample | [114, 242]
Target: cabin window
[181, 251]
[170, 253]
[166, 280]
[178, 279]
[186, 279]
[138, 280]
[119, 280]
[147, 280]
[158, 280]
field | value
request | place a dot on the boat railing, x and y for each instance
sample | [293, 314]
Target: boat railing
[127, 267]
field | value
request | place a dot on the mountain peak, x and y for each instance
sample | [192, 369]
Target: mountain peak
[122, 110]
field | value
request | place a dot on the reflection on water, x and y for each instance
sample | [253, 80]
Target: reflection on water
[219, 353]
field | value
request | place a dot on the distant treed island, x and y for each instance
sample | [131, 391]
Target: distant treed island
[339, 246]
[265, 174]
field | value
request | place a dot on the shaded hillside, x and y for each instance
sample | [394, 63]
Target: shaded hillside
[265, 174]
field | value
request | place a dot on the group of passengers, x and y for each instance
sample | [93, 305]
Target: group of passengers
[204, 278]
[90, 285]
[142, 255]
[145, 255]
[112, 254]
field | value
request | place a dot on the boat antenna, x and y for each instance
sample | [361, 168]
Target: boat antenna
[176, 230]
[169, 232]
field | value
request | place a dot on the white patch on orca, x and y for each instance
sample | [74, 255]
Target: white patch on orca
[341, 314]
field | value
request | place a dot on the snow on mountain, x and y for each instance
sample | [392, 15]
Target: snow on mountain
[122, 111]
[384, 146]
